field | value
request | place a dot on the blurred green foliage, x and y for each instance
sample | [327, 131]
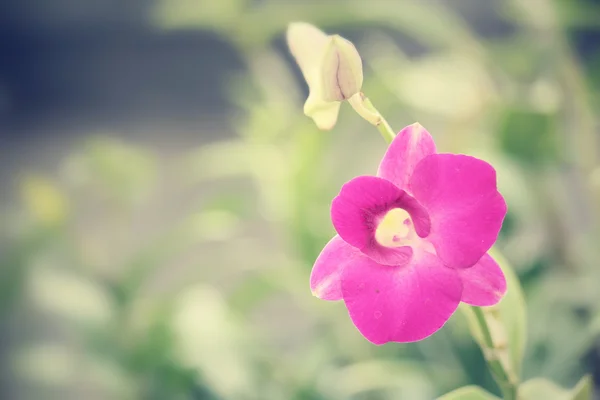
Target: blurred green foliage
[138, 276]
[468, 393]
[530, 137]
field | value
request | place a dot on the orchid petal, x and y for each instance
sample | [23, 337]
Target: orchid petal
[308, 45]
[465, 208]
[324, 114]
[325, 275]
[342, 73]
[410, 146]
[400, 303]
[484, 283]
[357, 210]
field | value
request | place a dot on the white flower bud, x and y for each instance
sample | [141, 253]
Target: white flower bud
[331, 67]
[341, 70]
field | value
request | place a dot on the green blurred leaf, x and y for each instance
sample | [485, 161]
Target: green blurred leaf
[113, 168]
[16, 262]
[529, 136]
[210, 339]
[431, 83]
[251, 292]
[55, 365]
[65, 294]
[540, 388]
[216, 15]
[513, 312]
[580, 14]
[233, 158]
[507, 321]
[204, 226]
[409, 377]
[468, 393]
[584, 390]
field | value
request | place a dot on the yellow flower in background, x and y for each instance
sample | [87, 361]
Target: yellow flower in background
[331, 67]
[44, 201]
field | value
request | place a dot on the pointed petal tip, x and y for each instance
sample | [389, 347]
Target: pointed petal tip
[306, 42]
[325, 275]
[300, 32]
[318, 289]
[416, 130]
[322, 293]
[417, 126]
[301, 25]
[411, 145]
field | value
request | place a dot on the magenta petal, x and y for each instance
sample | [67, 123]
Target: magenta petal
[465, 208]
[360, 202]
[410, 146]
[483, 283]
[356, 211]
[325, 275]
[400, 304]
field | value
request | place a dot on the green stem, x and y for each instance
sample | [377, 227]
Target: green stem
[386, 131]
[363, 106]
[501, 375]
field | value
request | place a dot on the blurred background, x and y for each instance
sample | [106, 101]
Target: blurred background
[163, 196]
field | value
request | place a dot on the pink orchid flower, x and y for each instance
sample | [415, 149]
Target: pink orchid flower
[412, 242]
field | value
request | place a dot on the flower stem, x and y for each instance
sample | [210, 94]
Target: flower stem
[363, 106]
[386, 131]
[501, 375]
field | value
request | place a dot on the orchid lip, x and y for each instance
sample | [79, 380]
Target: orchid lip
[362, 208]
[394, 229]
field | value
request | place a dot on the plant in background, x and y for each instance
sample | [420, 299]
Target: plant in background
[246, 250]
[412, 242]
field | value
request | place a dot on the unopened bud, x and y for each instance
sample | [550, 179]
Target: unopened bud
[341, 70]
[332, 68]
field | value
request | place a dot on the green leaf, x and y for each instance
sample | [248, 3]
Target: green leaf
[513, 313]
[507, 321]
[121, 171]
[468, 393]
[540, 388]
[529, 136]
[583, 390]
[372, 376]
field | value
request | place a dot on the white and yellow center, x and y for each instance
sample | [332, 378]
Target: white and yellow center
[394, 228]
